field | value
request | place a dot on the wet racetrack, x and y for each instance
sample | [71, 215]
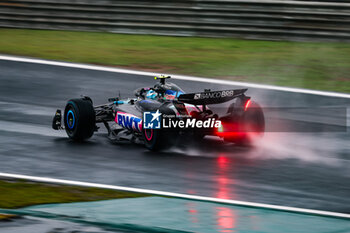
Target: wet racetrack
[300, 169]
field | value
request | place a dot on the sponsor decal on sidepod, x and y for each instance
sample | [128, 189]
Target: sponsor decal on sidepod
[128, 121]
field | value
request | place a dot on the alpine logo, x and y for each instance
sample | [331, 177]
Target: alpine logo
[197, 96]
[128, 121]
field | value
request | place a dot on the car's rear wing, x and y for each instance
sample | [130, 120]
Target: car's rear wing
[210, 97]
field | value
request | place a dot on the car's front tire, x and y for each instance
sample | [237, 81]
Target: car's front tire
[79, 119]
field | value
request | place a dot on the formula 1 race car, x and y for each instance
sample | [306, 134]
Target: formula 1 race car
[184, 114]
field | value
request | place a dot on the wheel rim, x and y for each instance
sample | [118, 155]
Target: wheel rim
[149, 134]
[70, 119]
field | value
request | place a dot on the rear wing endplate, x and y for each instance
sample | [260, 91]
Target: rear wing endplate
[210, 97]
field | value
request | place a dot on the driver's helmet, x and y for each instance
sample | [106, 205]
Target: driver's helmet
[151, 94]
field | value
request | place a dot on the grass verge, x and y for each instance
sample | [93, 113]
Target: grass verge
[313, 65]
[4, 217]
[17, 194]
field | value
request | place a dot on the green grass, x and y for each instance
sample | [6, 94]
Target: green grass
[6, 217]
[16, 194]
[323, 66]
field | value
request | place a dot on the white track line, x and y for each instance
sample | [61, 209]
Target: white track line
[180, 77]
[177, 195]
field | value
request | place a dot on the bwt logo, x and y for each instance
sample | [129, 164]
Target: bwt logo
[128, 121]
[151, 120]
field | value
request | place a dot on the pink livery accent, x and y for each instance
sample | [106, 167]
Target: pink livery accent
[149, 137]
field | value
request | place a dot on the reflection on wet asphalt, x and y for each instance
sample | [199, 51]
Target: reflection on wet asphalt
[161, 214]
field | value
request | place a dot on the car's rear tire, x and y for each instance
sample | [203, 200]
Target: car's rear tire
[79, 119]
[250, 126]
[159, 139]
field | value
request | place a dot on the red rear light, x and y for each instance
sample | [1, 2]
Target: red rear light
[246, 105]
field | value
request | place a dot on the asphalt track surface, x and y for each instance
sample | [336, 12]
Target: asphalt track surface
[307, 168]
